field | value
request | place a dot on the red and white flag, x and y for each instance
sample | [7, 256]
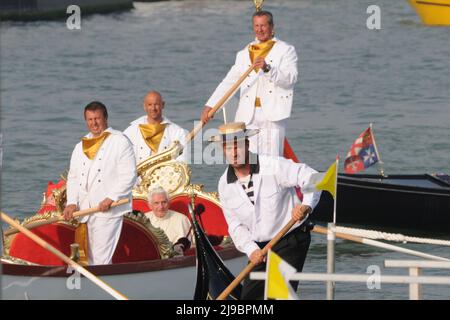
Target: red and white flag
[363, 153]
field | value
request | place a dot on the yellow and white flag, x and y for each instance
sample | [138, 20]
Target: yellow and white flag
[277, 273]
[323, 181]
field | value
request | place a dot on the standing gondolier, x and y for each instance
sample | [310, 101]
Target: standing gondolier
[258, 198]
[102, 170]
[266, 95]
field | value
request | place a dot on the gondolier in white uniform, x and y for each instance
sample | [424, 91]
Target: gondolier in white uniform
[102, 170]
[153, 133]
[258, 199]
[266, 95]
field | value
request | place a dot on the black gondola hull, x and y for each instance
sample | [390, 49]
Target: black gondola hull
[416, 202]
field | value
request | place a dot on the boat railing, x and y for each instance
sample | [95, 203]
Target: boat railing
[415, 270]
[415, 280]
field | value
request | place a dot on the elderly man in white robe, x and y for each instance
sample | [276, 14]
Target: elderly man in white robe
[102, 170]
[258, 198]
[153, 132]
[266, 95]
[176, 225]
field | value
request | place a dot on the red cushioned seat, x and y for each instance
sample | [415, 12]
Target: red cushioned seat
[47, 208]
[58, 235]
[136, 243]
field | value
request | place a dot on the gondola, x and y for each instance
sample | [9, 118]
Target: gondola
[418, 203]
[144, 263]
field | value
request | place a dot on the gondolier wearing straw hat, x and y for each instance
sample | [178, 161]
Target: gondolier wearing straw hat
[102, 170]
[258, 199]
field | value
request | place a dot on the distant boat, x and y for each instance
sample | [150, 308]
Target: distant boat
[414, 202]
[432, 12]
[28, 10]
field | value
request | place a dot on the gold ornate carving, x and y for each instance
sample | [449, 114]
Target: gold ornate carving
[60, 196]
[162, 170]
[258, 4]
[12, 260]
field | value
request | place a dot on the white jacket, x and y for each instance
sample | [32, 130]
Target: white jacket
[275, 88]
[111, 174]
[172, 132]
[274, 196]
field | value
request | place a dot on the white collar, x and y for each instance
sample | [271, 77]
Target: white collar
[166, 216]
[256, 41]
[89, 135]
[143, 120]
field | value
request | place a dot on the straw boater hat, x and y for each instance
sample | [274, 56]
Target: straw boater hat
[233, 131]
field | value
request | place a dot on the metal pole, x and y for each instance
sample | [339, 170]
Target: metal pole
[415, 291]
[224, 115]
[1, 254]
[380, 162]
[331, 238]
[1, 223]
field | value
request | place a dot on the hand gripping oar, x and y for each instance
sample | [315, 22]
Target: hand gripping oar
[65, 258]
[251, 265]
[219, 104]
[76, 214]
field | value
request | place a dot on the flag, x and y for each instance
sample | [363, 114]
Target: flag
[363, 153]
[323, 181]
[278, 272]
[290, 154]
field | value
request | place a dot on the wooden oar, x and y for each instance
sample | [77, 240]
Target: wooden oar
[64, 258]
[251, 265]
[76, 214]
[218, 105]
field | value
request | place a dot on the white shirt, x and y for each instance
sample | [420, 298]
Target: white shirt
[111, 174]
[142, 151]
[274, 88]
[275, 197]
[176, 225]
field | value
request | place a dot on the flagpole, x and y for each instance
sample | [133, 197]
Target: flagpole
[224, 115]
[267, 274]
[335, 188]
[380, 162]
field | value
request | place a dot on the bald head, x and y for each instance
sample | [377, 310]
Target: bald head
[153, 106]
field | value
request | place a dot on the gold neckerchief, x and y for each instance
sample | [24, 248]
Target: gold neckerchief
[260, 50]
[91, 145]
[152, 134]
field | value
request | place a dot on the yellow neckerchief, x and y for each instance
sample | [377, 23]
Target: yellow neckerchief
[91, 145]
[152, 134]
[261, 49]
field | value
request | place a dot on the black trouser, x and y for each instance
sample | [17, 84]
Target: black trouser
[292, 248]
